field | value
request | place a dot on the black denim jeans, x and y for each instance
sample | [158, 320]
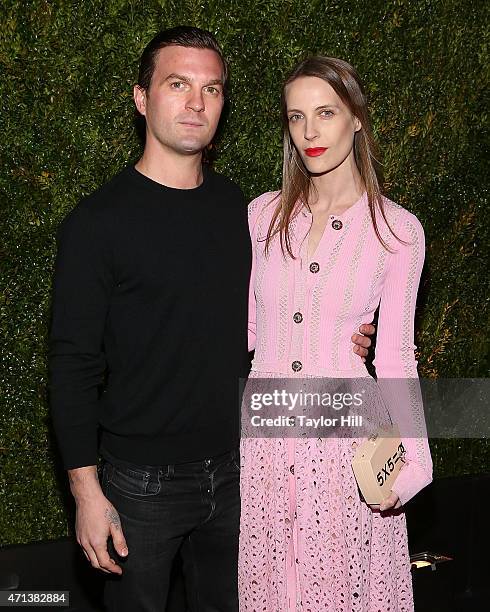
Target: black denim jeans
[194, 507]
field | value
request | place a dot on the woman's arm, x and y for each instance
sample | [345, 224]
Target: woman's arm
[252, 322]
[255, 210]
[396, 367]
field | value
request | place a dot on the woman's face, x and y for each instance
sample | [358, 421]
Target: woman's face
[322, 127]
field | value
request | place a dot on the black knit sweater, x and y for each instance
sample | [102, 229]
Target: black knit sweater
[148, 335]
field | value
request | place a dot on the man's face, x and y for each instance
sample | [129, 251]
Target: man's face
[183, 103]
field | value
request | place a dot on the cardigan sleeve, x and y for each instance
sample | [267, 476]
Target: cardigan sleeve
[395, 363]
[255, 210]
[258, 225]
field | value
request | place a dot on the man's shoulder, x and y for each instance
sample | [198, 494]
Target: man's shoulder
[110, 193]
[102, 203]
[223, 182]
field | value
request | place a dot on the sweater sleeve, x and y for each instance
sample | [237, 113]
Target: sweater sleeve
[396, 367]
[81, 293]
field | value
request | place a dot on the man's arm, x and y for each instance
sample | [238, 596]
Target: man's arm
[96, 520]
[83, 283]
[82, 286]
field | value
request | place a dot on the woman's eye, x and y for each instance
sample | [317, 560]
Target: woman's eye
[326, 113]
[294, 118]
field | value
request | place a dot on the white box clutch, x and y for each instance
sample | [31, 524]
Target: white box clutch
[376, 465]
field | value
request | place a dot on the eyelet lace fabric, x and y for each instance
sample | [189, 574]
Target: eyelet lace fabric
[308, 542]
[347, 557]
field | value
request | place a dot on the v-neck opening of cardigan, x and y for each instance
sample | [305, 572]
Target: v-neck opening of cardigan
[344, 217]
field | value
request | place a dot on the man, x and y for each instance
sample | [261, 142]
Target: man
[151, 289]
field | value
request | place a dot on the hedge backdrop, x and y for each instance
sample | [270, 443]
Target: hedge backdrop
[66, 127]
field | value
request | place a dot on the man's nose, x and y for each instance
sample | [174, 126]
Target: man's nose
[195, 101]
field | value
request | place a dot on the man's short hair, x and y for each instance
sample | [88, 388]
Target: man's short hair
[182, 36]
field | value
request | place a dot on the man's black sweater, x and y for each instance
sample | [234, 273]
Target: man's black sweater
[148, 337]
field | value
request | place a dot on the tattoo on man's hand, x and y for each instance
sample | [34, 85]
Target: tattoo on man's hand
[113, 517]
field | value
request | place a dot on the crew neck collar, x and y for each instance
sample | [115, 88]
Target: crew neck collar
[149, 183]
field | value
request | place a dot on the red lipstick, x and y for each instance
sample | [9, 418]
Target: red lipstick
[315, 152]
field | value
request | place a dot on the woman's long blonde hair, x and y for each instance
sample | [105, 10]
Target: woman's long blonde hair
[296, 181]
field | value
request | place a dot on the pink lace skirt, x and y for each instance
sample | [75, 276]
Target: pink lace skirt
[307, 541]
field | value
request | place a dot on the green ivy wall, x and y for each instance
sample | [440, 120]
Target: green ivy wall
[66, 127]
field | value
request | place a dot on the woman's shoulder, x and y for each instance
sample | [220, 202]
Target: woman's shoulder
[263, 206]
[263, 201]
[405, 223]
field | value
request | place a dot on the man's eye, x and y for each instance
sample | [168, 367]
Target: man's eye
[177, 85]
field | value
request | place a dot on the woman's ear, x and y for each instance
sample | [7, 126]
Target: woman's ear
[357, 125]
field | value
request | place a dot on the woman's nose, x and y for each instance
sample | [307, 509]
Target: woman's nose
[310, 131]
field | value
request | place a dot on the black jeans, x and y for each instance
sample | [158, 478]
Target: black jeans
[194, 507]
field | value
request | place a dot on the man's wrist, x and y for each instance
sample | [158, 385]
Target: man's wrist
[84, 482]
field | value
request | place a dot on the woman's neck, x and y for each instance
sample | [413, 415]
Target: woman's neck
[335, 191]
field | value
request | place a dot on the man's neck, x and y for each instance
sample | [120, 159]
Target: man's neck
[172, 170]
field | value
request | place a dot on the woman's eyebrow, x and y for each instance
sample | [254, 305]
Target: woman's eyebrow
[322, 107]
[326, 106]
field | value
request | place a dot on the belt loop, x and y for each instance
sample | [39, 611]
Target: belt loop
[170, 472]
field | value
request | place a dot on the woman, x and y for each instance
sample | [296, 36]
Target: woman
[327, 250]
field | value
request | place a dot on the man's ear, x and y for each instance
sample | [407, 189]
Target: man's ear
[139, 96]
